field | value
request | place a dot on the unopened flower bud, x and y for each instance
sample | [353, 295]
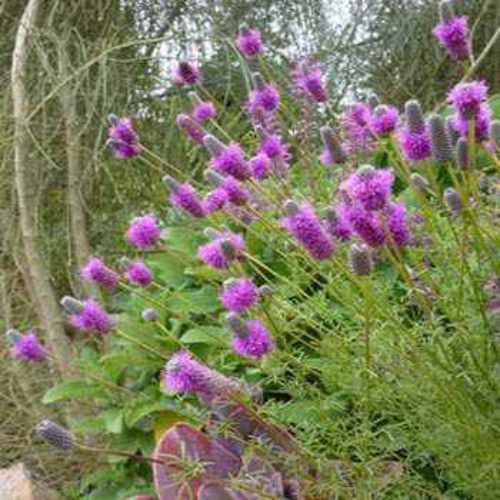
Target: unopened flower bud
[265, 290]
[440, 140]
[124, 262]
[71, 305]
[236, 324]
[414, 116]
[373, 101]
[332, 144]
[258, 81]
[453, 201]
[213, 177]
[228, 249]
[446, 12]
[149, 314]
[420, 183]
[195, 98]
[54, 434]
[170, 182]
[213, 144]
[112, 119]
[462, 153]
[291, 207]
[361, 260]
[211, 233]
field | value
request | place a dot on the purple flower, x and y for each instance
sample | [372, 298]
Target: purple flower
[482, 123]
[204, 111]
[235, 191]
[467, 98]
[454, 36]
[96, 271]
[214, 200]
[27, 346]
[333, 152]
[92, 317]
[123, 138]
[416, 146]
[139, 274]
[398, 224]
[144, 232]
[252, 340]
[193, 130]
[230, 160]
[240, 213]
[309, 81]
[220, 252]
[273, 147]
[337, 225]
[266, 98]
[370, 187]
[364, 223]
[301, 222]
[187, 73]
[384, 119]
[184, 196]
[260, 166]
[249, 42]
[238, 295]
[354, 122]
[360, 113]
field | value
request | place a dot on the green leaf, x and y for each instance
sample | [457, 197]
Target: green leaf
[141, 409]
[73, 389]
[201, 301]
[204, 335]
[168, 268]
[183, 240]
[113, 420]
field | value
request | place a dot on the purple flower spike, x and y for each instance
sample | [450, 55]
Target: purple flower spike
[273, 147]
[453, 33]
[184, 196]
[309, 81]
[301, 222]
[337, 225]
[370, 187]
[204, 111]
[28, 347]
[251, 339]
[92, 317]
[384, 119]
[398, 224]
[467, 98]
[224, 249]
[364, 223]
[187, 73]
[139, 274]
[192, 129]
[238, 295]
[265, 98]
[355, 125]
[144, 232]
[333, 152]
[416, 146]
[261, 166]
[95, 271]
[249, 42]
[123, 138]
[215, 200]
[228, 160]
[482, 123]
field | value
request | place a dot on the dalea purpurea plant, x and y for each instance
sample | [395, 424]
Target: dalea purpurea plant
[313, 318]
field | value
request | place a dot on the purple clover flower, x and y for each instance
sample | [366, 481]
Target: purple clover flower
[123, 138]
[204, 111]
[220, 252]
[215, 200]
[273, 147]
[187, 73]
[185, 375]
[92, 318]
[251, 339]
[95, 271]
[184, 196]
[301, 222]
[370, 187]
[139, 274]
[468, 97]
[235, 191]
[238, 295]
[364, 223]
[266, 98]
[27, 346]
[337, 225]
[454, 35]
[397, 224]
[416, 146]
[482, 123]
[249, 42]
[192, 129]
[384, 119]
[260, 165]
[228, 160]
[144, 232]
[354, 122]
[309, 81]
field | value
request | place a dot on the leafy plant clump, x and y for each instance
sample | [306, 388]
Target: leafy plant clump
[307, 321]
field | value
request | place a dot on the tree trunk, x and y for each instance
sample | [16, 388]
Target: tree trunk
[49, 311]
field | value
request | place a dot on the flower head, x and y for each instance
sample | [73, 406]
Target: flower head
[454, 35]
[309, 81]
[204, 111]
[27, 346]
[370, 187]
[467, 97]
[224, 249]
[123, 138]
[354, 122]
[187, 73]
[416, 146]
[238, 295]
[482, 124]
[266, 98]
[273, 147]
[366, 224]
[302, 223]
[414, 115]
[191, 127]
[384, 119]
[397, 224]
[260, 166]
[184, 196]
[144, 232]
[139, 274]
[92, 317]
[96, 271]
[251, 339]
[214, 200]
[228, 160]
[249, 42]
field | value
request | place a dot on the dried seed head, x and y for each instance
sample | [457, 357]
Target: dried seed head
[54, 434]
[149, 314]
[462, 153]
[414, 116]
[419, 182]
[453, 201]
[71, 305]
[361, 260]
[440, 139]
[446, 12]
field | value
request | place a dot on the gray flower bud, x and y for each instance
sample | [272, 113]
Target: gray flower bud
[414, 116]
[54, 434]
[149, 314]
[291, 207]
[71, 305]
[170, 182]
[446, 12]
[213, 144]
[420, 183]
[361, 260]
[453, 201]
[440, 140]
[236, 324]
[462, 153]
[332, 144]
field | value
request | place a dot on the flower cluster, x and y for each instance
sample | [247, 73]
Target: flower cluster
[123, 138]
[453, 33]
[26, 346]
